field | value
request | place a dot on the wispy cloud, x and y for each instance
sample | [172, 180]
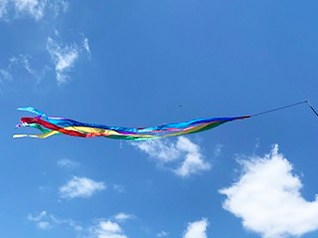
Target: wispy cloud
[268, 200]
[218, 150]
[19, 64]
[119, 188]
[162, 234]
[45, 221]
[65, 56]
[98, 228]
[3, 8]
[67, 163]
[184, 156]
[86, 45]
[41, 220]
[62, 56]
[122, 217]
[80, 187]
[196, 229]
[57, 6]
[35, 9]
[5, 76]
[23, 61]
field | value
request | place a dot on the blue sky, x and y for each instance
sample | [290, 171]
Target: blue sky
[143, 63]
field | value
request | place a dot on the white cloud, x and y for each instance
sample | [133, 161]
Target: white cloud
[35, 9]
[162, 150]
[80, 187]
[119, 188]
[102, 228]
[57, 6]
[67, 163]
[268, 200]
[41, 220]
[86, 45]
[43, 225]
[3, 8]
[185, 153]
[121, 217]
[38, 217]
[5, 75]
[15, 64]
[106, 229]
[162, 234]
[64, 58]
[218, 150]
[193, 162]
[22, 61]
[196, 229]
[45, 221]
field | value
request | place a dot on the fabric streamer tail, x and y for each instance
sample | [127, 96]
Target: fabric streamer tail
[50, 126]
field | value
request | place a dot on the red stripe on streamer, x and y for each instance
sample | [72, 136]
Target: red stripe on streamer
[51, 126]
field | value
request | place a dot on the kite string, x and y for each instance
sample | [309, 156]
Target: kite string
[285, 107]
[311, 107]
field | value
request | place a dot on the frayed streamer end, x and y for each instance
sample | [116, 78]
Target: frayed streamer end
[23, 136]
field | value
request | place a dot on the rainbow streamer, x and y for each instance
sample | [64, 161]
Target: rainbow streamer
[50, 126]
